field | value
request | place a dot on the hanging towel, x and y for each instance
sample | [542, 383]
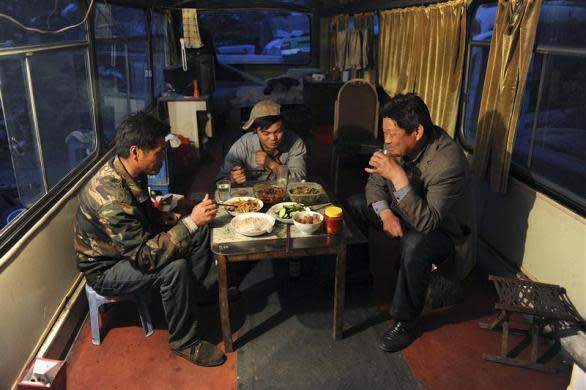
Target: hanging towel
[354, 58]
[191, 29]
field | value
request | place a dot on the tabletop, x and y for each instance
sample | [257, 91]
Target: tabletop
[225, 241]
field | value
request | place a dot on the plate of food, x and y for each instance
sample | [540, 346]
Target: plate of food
[305, 192]
[252, 224]
[269, 192]
[284, 211]
[242, 204]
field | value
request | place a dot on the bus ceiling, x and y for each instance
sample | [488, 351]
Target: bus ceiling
[324, 7]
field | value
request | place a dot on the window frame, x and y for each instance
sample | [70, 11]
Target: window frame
[465, 92]
[523, 173]
[125, 40]
[26, 220]
[15, 230]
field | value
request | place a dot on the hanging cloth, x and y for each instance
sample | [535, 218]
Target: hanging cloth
[421, 50]
[354, 58]
[339, 29]
[191, 29]
[511, 50]
[171, 55]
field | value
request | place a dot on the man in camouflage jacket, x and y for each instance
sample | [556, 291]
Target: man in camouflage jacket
[124, 245]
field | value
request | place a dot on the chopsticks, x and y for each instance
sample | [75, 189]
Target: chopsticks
[319, 206]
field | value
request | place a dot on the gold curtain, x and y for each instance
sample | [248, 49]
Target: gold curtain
[510, 54]
[421, 50]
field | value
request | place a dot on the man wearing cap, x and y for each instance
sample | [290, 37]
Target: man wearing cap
[259, 153]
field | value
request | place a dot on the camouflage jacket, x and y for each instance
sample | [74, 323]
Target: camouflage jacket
[116, 220]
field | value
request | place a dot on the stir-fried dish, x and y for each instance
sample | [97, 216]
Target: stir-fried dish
[304, 190]
[243, 206]
[270, 194]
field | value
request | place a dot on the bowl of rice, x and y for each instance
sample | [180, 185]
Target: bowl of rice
[252, 224]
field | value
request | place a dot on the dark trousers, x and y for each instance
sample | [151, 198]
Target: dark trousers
[179, 283]
[418, 252]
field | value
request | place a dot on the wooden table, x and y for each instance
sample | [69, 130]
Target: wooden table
[285, 241]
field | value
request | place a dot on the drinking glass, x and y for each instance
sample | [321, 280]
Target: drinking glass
[385, 150]
[283, 176]
[223, 190]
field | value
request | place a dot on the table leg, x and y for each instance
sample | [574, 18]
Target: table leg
[339, 293]
[224, 303]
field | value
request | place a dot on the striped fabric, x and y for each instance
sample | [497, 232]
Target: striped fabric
[191, 29]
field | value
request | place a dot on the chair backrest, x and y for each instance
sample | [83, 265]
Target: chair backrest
[356, 108]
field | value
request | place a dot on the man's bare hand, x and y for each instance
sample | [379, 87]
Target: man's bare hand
[389, 168]
[204, 212]
[391, 223]
[238, 174]
[262, 158]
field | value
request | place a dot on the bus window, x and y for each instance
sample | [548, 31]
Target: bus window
[258, 36]
[479, 45]
[22, 181]
[46, 119]
[62, 100]
[550, 143]
[122, 62]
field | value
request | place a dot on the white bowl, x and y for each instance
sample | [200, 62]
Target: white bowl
[307, 228]
[252, 224]
[259, 204]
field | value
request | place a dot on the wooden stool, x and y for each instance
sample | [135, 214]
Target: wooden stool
[543, 305]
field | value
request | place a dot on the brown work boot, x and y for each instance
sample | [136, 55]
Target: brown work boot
[203, 354]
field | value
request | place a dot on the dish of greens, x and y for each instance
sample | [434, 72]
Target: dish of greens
[283, 212]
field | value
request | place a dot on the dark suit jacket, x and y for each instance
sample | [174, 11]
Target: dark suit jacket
[441, 198]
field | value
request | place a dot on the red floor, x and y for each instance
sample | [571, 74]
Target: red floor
[450, 357]
[447, 356]
[128, 360]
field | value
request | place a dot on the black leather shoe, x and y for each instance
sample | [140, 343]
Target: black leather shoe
[400, 336]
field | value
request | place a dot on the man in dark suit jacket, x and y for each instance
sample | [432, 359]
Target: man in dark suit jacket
[419, 193]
